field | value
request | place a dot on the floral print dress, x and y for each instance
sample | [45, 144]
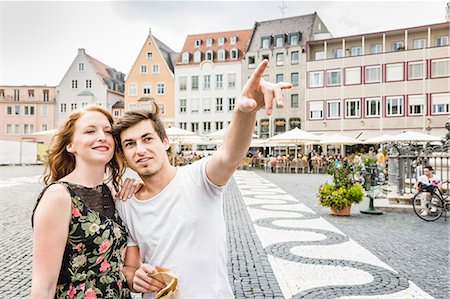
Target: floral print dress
[95, 249]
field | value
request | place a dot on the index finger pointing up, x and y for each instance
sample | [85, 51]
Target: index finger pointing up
[257, 74]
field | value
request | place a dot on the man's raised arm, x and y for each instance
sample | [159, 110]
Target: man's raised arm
[255, 95]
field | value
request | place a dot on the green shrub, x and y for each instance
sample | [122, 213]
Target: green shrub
[340, 197]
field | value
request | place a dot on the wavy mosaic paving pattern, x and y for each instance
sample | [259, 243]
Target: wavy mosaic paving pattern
[310, 257]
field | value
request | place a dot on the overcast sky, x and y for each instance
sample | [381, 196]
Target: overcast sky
[39, 40]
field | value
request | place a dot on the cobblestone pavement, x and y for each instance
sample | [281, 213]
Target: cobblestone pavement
[389, 247]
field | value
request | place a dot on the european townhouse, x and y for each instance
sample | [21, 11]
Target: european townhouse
[380, 83]
[151, 79]
[283, 43]
[88, 81]
[208, 80]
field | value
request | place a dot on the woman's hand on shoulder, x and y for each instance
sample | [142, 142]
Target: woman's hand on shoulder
[129, 187]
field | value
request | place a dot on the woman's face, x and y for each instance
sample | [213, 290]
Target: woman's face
[92, 141]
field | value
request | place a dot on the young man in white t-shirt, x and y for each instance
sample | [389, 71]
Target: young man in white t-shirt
[427, 179]
[176, 219]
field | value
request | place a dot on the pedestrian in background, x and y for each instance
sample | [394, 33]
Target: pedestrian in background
[79, 240]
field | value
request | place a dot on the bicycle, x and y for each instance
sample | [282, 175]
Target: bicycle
[437, 205]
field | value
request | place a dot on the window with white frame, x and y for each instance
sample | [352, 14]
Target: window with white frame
[197, 56]
[194, 105]
[73, 106]
[394, 106]
[206, 127]
[31, 93]
[9, 110]
[144, 105]
[337, 53]
[183, 83]
[319, 55]
[373, 74]
[293, 39]
[440, 67]
[74, 84]
[44, 127]
[84, 104]
[419, 43]
[132, 89]
[2, 93]
[219, 104]
[183, 125]
[234, 53]
[279, 41]
[132, 106]
[194, 127]
[183, 105]
[149, 55]
[219, 81]
[265, 42]
[373, 107]
[416, 104]
[219, 125]
[155, 68]
[194, 82]
[416, 70]
[160, 88]
[233, 40]
[80, 66]
[294, 57]
[398, 45]
[197, 43]
[355, 51]
[280, 58]
[221, 55]
[294, 79]
[206, 105]
[209, 55]
[206, 81]
[440, 103]
[9, 130]
[441, 41]
[333, 77]
[376, 48]
[352, 108]
[28, 110]
[279, 78]
[209, 42]
[251, 62]
[353, 76]
[63, 107]
[333, 109]
[17, 129]
[231, 103]
[294, 100]
[231, 80]
[17, 91]
[17, 110]
[316, 79]
[221, 41]
[88, 83]
[315, 110]
[185, 57]
[146, 89]
[394, 72]
[143, 69]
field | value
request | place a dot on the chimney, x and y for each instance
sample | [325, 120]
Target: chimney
[149, 30]
[80, 50]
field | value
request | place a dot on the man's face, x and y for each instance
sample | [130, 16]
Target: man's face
[428, 172]
[143, 150]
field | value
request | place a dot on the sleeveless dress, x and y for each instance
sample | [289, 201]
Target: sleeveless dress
[95, 248]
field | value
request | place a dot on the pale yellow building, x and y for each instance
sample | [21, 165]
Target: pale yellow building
[380, 83]
[151, 78]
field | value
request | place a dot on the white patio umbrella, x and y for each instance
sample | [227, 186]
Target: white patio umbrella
[412, 136]
[385, 138]
[221, 133]
[46, 132]
[294, 136]
[338, 139]
[175, 132]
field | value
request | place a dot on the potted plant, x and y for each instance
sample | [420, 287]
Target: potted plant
[342, 192]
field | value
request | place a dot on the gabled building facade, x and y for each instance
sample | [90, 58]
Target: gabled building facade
[283, 43]
[151, 79]
[383, 82]
[26, 110]
[88, 81]
[208, 80]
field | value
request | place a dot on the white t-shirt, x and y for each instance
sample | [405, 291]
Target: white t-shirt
[183, 229]
[434, 180]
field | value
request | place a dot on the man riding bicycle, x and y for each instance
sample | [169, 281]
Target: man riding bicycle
[427, 179]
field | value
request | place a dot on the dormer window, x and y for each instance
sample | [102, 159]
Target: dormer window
[185, 57]
[234, 53]
[80, 66]
[265, 42]
[221, 41]
[233, 40]
[294, 39]
[209, 42]
[209, 55]
[221, 54]
[197, 56]
[279, 41]
[197, 43]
